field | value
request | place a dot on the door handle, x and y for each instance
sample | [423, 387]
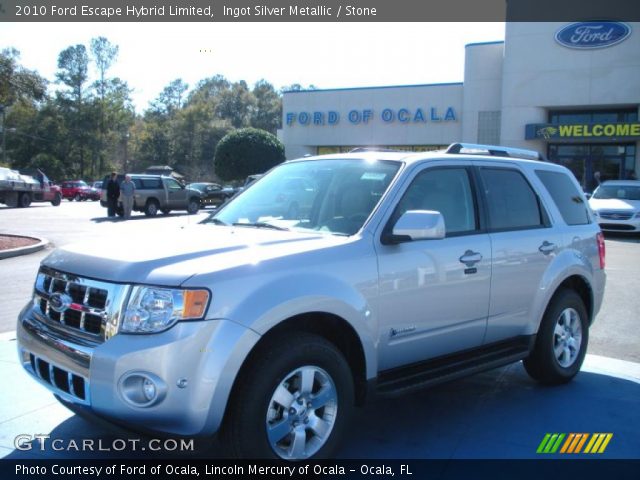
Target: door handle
[470, 258]
[547, 247]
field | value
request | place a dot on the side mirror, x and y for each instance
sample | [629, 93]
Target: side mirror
[418, 225]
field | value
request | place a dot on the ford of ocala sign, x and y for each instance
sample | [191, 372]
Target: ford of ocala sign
[588, 35]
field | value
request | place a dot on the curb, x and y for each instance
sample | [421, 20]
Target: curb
[15, 252]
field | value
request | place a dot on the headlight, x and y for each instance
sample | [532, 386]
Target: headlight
[153, 309]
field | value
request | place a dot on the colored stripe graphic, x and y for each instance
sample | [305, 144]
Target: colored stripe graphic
[574, 443]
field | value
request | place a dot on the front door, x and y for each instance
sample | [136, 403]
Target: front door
[177, 195]
[434, 294]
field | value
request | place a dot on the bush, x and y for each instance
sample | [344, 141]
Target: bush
[246, 152]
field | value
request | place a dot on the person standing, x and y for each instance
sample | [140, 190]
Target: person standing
[127, 191]
[113, 193]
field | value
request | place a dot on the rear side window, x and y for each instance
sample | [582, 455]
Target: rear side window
[512, 203]
[566, 197]
[151, 183]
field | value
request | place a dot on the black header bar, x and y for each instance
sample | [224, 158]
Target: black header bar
[316, 10]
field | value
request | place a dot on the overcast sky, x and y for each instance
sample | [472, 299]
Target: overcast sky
[328, 55]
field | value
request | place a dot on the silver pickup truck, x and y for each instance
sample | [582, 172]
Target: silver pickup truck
[397, 271]
[156, 193]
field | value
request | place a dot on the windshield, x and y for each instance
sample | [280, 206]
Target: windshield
[333, 196]
[622, 192]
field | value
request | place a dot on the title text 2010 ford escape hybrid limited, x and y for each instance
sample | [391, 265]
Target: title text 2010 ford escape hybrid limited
[380, 272]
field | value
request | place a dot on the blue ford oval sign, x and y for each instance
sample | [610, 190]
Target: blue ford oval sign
[593, 34]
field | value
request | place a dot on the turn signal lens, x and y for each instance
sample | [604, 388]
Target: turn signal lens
[195, 302]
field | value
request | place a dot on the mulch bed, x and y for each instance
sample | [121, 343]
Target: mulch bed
[8, 241]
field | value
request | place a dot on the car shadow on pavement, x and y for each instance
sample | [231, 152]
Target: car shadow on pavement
[501, 414]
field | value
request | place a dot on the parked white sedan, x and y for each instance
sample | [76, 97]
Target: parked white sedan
[616, 204]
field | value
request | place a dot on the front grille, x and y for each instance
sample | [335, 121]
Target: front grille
[611, 215]
[617, 226]
[58, 378]
[86, 307]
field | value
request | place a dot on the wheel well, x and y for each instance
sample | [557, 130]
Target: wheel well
[332, 328]
[579, 285]
[152, 200]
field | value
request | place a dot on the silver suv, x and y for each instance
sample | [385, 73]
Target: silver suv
[405, 271]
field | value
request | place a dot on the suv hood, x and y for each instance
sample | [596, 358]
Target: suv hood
[614, 204]
[171, 258]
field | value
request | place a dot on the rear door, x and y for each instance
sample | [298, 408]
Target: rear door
[434, 294]
[523, 246]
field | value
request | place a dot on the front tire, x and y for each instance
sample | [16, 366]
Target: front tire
[193, 206]
[561, 343]
[56, 200]
[292, 401]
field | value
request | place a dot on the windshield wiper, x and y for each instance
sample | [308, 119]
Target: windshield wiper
[260, 225]
[215, 221]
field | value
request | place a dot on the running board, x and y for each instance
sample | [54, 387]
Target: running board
[401, 380]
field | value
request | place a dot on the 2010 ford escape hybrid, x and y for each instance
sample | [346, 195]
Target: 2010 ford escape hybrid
[269, 322]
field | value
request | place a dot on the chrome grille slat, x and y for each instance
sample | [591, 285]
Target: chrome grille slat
[91, 308]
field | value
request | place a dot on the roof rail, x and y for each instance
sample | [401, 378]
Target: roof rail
[371, 149]
[494, 150]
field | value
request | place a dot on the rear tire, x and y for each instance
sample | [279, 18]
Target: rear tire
[24, 200]
[151, 208]
[77, 197]
[293, 401]
[562, 339]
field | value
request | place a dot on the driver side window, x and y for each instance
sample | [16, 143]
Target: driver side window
[173, 185]
[444, 190]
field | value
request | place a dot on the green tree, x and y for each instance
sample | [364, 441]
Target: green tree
[247, 151]
[267, 114]
[17, 86]
[72, 72]
[236, 105]
[104, 54]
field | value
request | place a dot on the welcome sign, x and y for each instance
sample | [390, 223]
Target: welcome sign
[552, 131]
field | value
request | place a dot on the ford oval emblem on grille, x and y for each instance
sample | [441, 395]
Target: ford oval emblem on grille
[59, 302]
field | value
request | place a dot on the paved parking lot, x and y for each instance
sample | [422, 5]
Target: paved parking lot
[496, 414]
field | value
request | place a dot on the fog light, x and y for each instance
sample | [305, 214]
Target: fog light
[149, 389]
[142, 389]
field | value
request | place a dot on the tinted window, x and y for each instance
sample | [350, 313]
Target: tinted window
[447, 191]
[173, 185]
[151, 183]
[566, 197]
[512, 203]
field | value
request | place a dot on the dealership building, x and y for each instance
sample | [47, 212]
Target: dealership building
[568, 90]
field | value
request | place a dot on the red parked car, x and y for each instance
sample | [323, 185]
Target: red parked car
[78, 190]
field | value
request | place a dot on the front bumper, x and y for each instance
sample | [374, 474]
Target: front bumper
[612, 225]
[195, 364]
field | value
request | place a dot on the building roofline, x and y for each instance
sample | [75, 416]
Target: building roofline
[478, 44]
[375, 88]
